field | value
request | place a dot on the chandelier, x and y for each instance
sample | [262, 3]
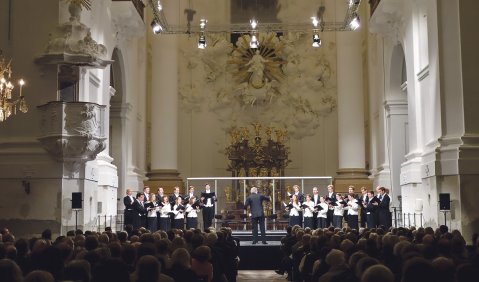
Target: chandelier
[8, 104]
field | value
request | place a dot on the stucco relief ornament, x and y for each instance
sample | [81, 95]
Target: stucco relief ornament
[72, 43]
[258, 72]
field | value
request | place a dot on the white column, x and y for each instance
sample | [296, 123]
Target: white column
[350, 101]
[397, 119]
[164, 103]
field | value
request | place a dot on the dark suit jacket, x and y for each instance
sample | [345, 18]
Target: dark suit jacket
[255, 202]
[333, 197]
[186, 199]
[173, 199]
[383, 211]
[208, 196]
[384, 204]
[128, 203]
[139, 208]
[300, 197]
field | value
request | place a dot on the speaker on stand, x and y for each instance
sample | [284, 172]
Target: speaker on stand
[77, 205]
[445, 204]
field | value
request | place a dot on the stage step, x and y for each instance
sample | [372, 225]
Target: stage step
[271, 235]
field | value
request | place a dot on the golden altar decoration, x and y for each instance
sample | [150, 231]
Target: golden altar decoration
[257, 152]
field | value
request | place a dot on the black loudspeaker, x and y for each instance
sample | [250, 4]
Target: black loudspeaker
[77, 200]
[444, 201]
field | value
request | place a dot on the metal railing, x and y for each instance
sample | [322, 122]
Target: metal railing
[116, 222]
[405, 219]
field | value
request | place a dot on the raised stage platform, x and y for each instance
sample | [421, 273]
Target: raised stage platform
[259, 256]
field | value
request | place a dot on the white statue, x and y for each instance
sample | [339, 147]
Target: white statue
[256, 68]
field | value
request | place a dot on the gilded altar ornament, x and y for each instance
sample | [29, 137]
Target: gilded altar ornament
[257, 128]
[269, 131]
[259, 156]
[228, 194]
[263, 172]
[289, 189]
[279, 197]
[242, 172]
[274, 172]
[235, 136]
[279, 135]
[244, 133]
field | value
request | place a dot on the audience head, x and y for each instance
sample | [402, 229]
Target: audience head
[335, 257]
[9, 271]
[202, 254]
[39, 276]
[418, 269]
[377, 273]
[148, 269]
[363, 264]
[110, 269]
[77, 270]
[444, 269]
[181, 257]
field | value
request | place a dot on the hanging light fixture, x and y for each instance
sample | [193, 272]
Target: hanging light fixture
[9, 105]
[202, 39]
[355, 23]
[254, 43]
[316, 38]
[156, 27]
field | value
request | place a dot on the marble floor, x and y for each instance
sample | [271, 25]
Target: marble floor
[259, 276]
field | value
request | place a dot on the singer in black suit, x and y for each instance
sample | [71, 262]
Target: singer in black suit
[208, 199]
[364, 202]
[370, 210]
[128, 201]
[191, 193]
[330, 199]
[140, 211]
[383, 209]
[255, 202]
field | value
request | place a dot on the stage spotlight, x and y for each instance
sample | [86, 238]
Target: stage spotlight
[254, 23]
[355, 23]
[156, 27]
[254, 44]
[202, 42]
[316, 41]
[202, 39]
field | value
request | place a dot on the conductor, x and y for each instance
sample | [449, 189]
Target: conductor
[255, 202]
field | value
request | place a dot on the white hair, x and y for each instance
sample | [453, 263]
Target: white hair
[254, 190]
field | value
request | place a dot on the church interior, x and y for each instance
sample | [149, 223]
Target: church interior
[110, 95]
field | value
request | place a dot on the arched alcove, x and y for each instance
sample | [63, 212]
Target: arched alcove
[396, 120]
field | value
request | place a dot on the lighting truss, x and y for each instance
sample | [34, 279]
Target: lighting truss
[241, 28]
